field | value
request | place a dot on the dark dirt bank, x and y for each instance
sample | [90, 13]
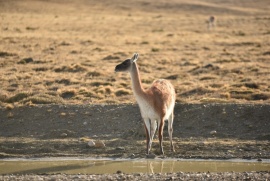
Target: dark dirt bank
[218, 131]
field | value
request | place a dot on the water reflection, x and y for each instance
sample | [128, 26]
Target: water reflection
[126, 166]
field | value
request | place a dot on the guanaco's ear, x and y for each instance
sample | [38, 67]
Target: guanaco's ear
[135, 57]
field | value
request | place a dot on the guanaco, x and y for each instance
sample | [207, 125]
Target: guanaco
[211, 22]
[156, 103]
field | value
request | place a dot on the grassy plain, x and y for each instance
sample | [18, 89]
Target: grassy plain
[66, 51]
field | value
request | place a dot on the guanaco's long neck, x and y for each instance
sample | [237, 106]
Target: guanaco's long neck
[136, 81]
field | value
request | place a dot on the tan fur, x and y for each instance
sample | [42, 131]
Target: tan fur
[162, 95]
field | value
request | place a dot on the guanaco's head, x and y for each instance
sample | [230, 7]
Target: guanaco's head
[126, 65]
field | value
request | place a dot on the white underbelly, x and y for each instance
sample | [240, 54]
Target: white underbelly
[147, 111]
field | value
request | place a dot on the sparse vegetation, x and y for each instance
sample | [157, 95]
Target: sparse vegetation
[154, 49]
[43, 99]
[72, 68]
[94, 74]
[26, 60]
[18, 97]
[67, 94]
[6, 54]
[122, 92]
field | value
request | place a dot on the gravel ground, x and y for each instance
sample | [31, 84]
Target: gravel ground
[139, 176]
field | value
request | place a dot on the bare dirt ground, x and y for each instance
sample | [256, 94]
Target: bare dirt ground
[218, 131]
[63, 54]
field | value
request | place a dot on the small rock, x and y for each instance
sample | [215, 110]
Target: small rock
[118, 171]
[91, 143]
[63, 135]
[100, 144]
[63, 114]
[76, 177]
[120, 148]
[85, 123]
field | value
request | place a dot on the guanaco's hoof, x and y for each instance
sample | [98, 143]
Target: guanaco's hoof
[151, 156]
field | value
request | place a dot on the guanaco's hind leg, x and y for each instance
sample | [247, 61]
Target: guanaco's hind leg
[147, 139]
[170, 130]
[160, 135]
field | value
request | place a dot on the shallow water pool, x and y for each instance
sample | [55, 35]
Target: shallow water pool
[103, 166]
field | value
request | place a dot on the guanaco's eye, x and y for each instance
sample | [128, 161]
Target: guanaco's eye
[125, 63]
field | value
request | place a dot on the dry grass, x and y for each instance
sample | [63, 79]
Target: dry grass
[67, 54]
